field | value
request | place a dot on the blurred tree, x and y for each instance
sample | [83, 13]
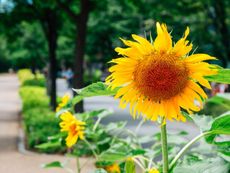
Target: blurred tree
[46, 14]
[89, 29]
[5, 63]
[79, 16]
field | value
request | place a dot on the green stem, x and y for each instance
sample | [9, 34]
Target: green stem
[93, 151]
[96, 124]
[164, 147]
[186, 147]
[78, 165]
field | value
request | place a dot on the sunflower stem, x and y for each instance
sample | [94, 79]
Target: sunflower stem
[91, 148]
[186, 147]
[78, 165]
[164, 147]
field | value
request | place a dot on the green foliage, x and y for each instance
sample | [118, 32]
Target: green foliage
[113, 143]
[100, 170]
[95, 89]
[223, 76]
[30, 49]
[220, 125]
[39, 123]
[206, 166]
[26, 78]
[33, 97]
[54, 164]
[216, 105]
[129, 166]
[5, 62]
[24, 74]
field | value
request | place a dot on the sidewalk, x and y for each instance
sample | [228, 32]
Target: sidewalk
[11, 160]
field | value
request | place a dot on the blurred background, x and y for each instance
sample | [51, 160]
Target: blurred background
[70, 42]
[67, 44]
[74, 39]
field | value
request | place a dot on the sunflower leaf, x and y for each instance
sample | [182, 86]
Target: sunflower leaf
[55, 164]
[95, 89]
[100, 170]
[223, 76]
[129, 166]
[205, 166]
[220, 125]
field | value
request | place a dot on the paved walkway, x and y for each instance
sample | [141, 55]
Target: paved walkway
[11, 160]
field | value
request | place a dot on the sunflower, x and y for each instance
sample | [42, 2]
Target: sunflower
[114, 168]
[73, 126]
[64, 101]
[159, 79]
[153, 170]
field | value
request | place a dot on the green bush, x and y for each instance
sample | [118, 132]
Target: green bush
[39, 123]
[24, 74]
[27, 78]
[33, 97]
[35, 82]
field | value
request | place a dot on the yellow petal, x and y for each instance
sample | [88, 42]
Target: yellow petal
[181, 47]
[163, 41]
[145, 44]
[197, 88]
[198, 77]
[199, 57]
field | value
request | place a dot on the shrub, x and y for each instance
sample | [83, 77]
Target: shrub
[39, 123]
[24, 74]
[26, 78]
[35, 82]
[33, 97]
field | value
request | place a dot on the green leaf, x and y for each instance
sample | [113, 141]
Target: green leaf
[95, 89]
[145, 139]
[61, 112]
[113, 127]
[220, 125]
[205, 166]
[129, 166]
[204, 122]
[55, 164]
[115, 153]
[223, 76]
[102, 113]
[138, 152]
[223, 149]
[100, 170]
[113, 156]
[49, 144]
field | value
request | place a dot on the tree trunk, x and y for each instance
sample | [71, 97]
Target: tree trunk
[52, 43]
[220, 22]
[81, 27]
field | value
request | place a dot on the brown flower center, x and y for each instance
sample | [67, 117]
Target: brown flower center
[160, 76]
[73, 128]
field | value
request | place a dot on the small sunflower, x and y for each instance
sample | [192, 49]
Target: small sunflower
[73, 126]
[64, 101]
[153, 170]
[158, 79]
[114, 168]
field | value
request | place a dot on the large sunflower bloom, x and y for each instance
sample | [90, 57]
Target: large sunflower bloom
[73, 126]
[158, 79]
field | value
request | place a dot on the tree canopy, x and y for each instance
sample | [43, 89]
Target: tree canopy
[23, 42]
